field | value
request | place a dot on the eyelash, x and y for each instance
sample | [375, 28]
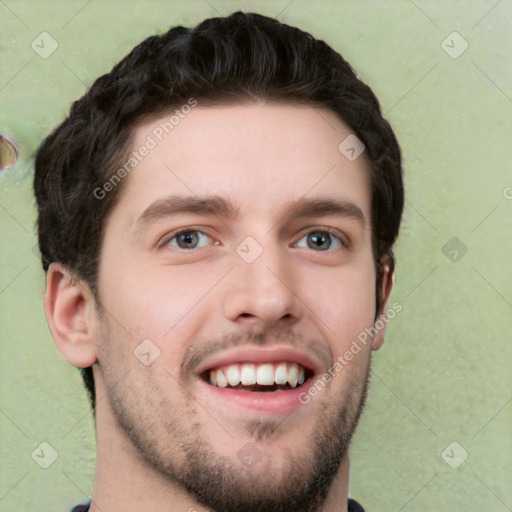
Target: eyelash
[171, 236]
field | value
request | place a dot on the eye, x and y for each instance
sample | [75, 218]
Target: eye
[320, 240]
[188, 239]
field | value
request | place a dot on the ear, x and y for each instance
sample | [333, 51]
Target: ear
[70, 311]
[386, 284]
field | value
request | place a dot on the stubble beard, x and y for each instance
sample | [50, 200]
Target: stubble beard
[179, 451]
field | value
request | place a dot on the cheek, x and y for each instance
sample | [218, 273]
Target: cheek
[343, 302]
[173, 297]
[167, 307]
[148, 299]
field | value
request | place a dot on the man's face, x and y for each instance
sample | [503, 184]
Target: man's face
[273, 279]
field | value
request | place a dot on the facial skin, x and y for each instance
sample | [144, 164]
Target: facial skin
[166, 438]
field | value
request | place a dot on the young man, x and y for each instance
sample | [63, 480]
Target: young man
[216, 218]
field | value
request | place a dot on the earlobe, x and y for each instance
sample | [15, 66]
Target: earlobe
[387, 281]
[69, 307]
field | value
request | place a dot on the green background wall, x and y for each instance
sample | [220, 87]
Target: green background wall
[444, 373]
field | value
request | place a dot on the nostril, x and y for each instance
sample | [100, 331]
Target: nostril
[8, 154]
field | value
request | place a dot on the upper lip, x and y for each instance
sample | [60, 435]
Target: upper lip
[257, 355]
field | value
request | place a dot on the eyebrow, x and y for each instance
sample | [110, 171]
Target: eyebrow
[175, 205]
[221, 207]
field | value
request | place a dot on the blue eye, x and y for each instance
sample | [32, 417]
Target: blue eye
[189, 239]
[320, 240]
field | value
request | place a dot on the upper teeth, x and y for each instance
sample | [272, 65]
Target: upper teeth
[266, 374]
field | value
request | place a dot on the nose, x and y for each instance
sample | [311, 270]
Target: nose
[262, 294]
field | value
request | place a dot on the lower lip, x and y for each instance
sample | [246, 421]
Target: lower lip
[273, 402]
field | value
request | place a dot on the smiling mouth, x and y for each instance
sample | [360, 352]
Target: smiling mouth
[264, 377]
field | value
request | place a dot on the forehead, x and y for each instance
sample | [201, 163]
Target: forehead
[260, 155]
